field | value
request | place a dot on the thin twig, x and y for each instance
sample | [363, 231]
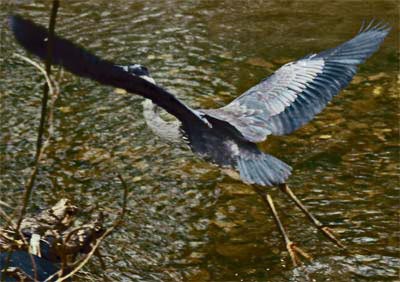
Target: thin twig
[32, 177]
[87, 257]
[125, 197]
[5, 204]
[39, 151]
[39, 67]
[8, 219]
[49, 59]
[64, 244]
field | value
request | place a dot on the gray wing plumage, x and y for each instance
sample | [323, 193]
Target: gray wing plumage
[295, 93]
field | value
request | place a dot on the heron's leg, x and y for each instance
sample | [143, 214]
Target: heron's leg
[292, 249]
[324, 229]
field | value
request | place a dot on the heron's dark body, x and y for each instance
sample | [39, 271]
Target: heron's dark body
[222, 144]
[219, 144]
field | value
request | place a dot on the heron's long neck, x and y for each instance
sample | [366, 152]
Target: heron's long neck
[165, 130]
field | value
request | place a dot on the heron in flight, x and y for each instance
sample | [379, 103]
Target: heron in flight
[227, 136]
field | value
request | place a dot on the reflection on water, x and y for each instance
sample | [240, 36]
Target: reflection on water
[187, 221]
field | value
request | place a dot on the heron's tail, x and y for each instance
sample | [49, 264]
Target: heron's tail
[263, 169]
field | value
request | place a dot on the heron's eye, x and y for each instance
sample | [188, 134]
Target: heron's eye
[145, 70]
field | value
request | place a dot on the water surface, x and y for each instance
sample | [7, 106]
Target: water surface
[187, 221]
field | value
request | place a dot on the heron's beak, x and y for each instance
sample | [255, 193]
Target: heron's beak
[148, 78]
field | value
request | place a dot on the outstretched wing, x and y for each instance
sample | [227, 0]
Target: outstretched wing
[299, 90]
[82, 63]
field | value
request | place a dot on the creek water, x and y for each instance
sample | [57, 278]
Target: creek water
[187, 221]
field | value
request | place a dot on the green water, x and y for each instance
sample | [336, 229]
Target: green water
[187, 221]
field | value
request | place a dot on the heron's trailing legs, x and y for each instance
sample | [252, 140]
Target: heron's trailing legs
[291, 247]
[324, 229]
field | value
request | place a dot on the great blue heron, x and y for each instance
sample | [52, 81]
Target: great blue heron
[227, 136]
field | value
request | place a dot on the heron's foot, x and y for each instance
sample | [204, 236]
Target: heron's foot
[330, 234]
[326, 231]
[295, 253]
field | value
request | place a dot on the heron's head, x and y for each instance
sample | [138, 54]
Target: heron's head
[139, 70]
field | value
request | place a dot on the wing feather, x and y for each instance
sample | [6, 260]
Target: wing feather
[299, 90]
